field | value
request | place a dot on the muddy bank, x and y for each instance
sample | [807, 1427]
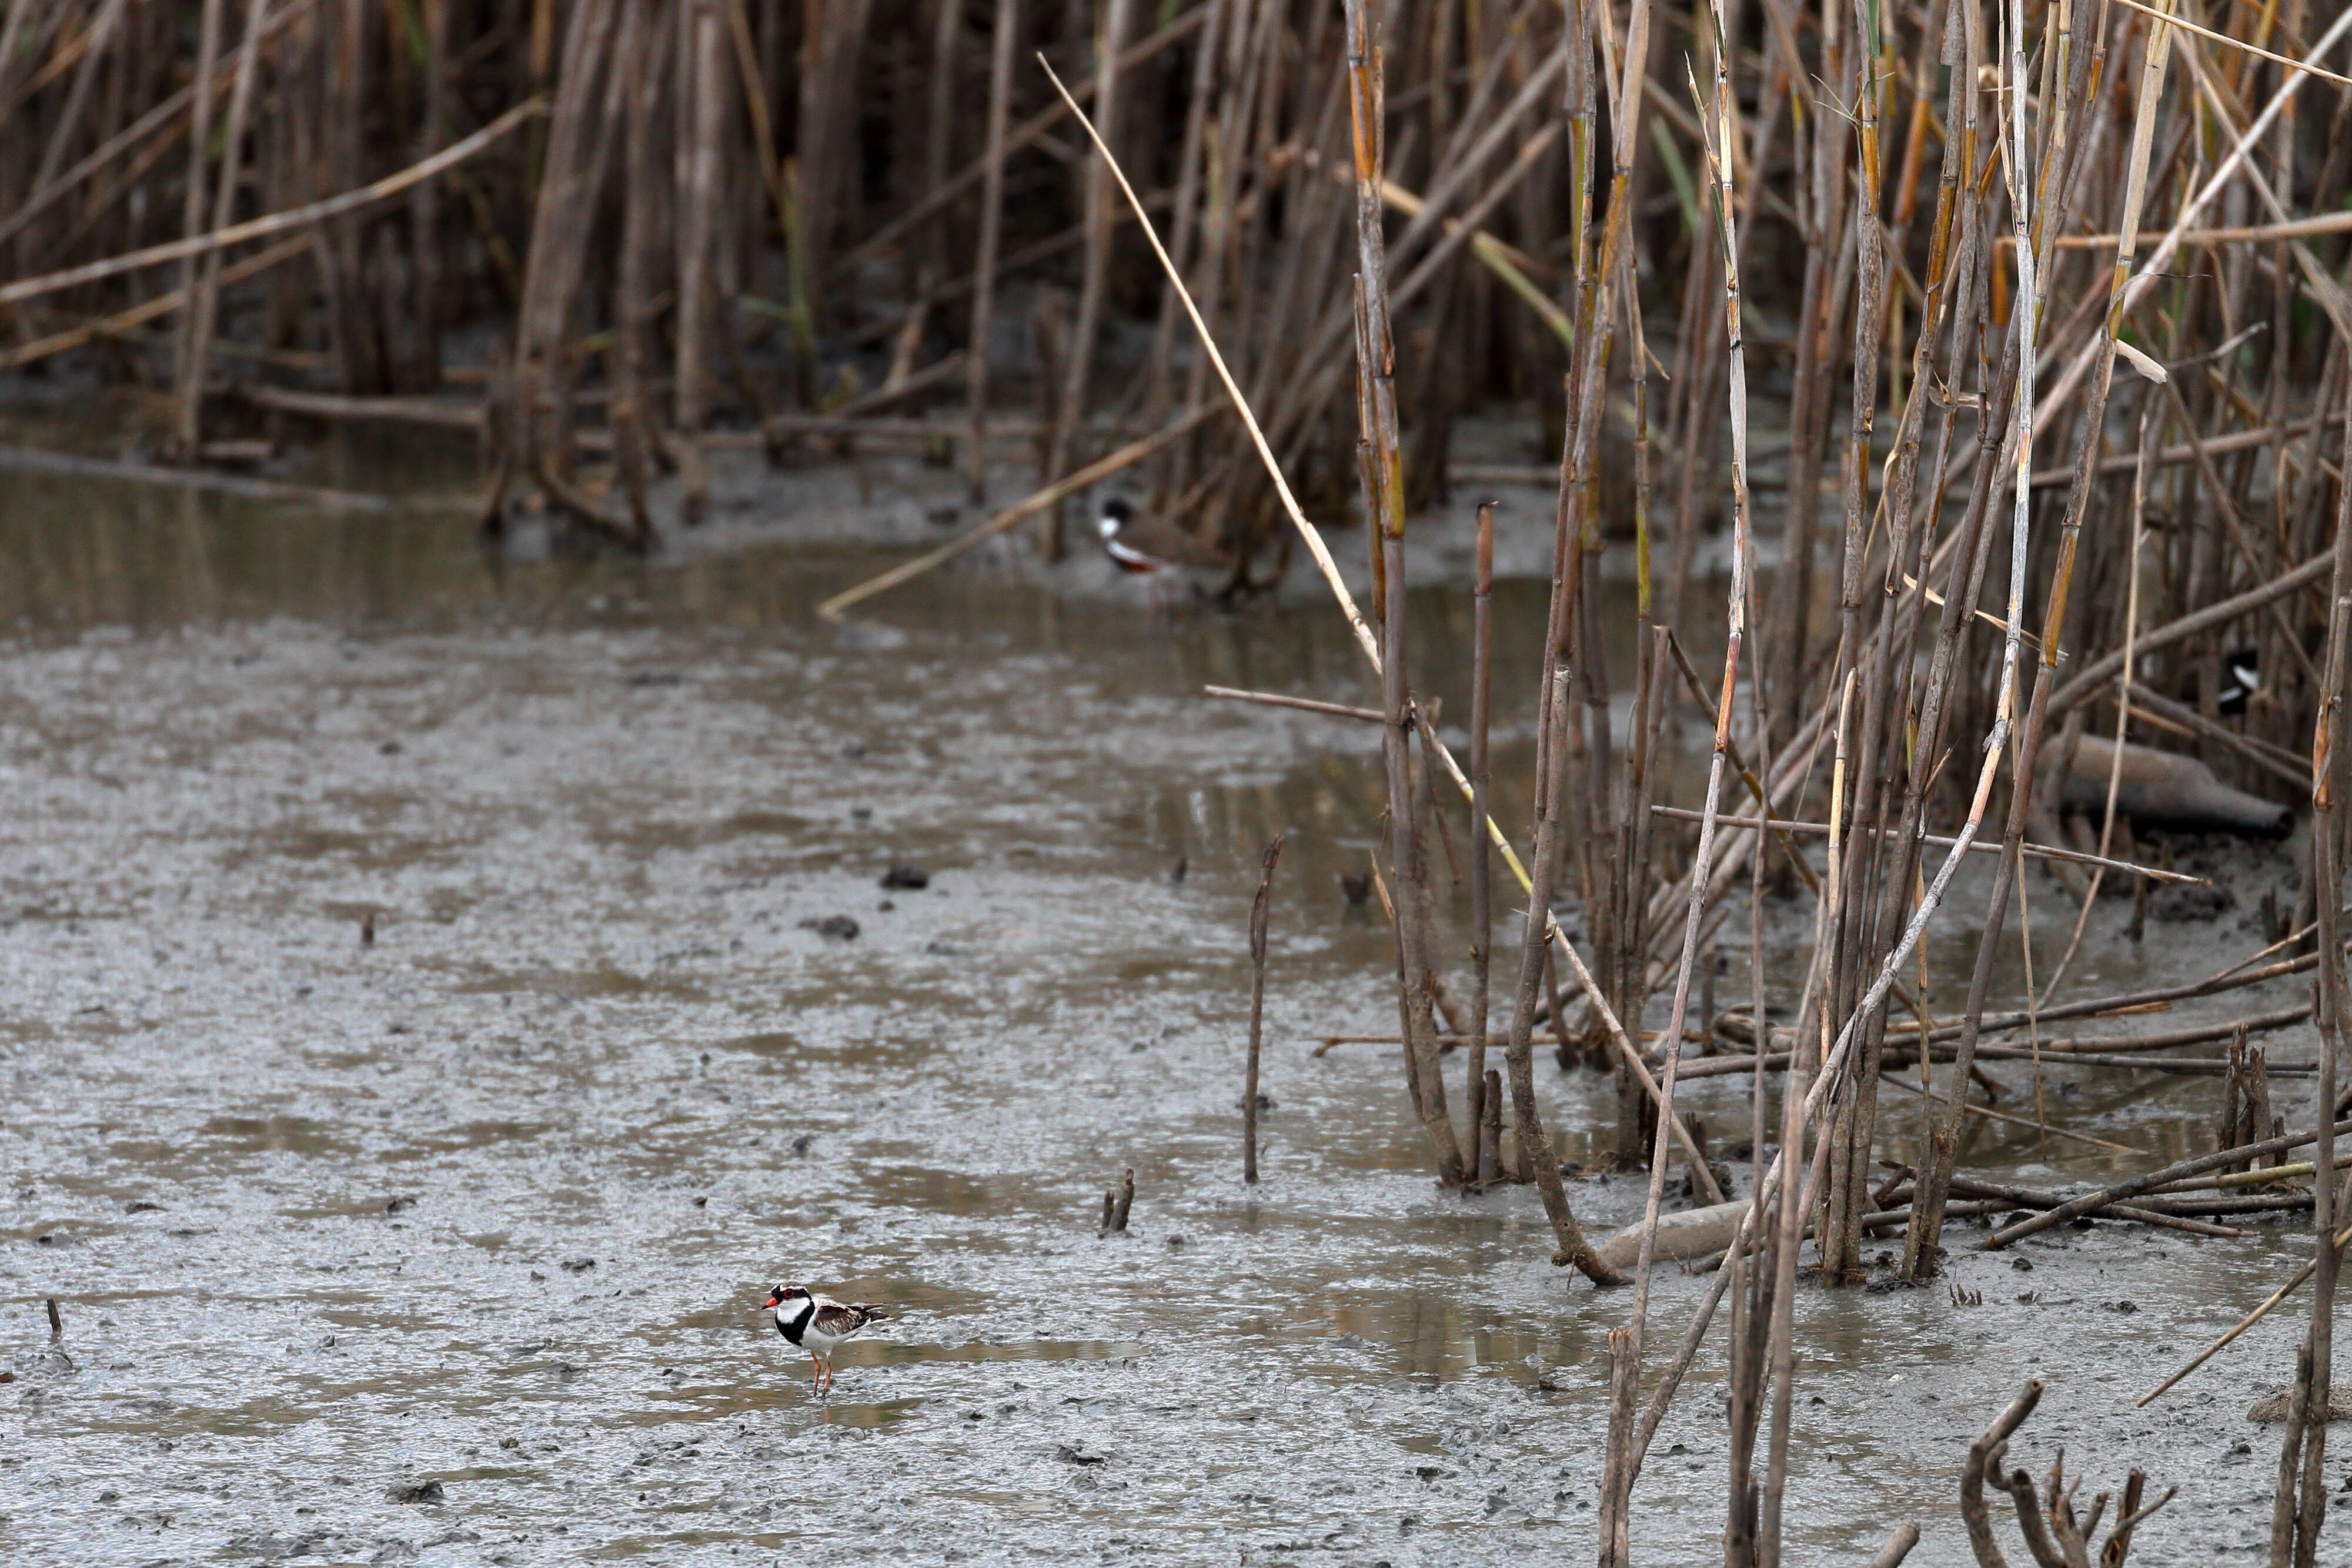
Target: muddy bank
[489, 1204]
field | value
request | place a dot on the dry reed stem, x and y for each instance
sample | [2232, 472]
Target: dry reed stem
[1258, 907]
[2039, 851]
[2187, 26]
[148, 311]
[27, 460]
[204, 297]
[448, 158]
[2147, 428]
[1381, 446]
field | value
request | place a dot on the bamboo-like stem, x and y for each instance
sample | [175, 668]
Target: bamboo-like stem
[1070, 407]
[1482, 913]
[991, 231]
[204, 298]
[703, 81]
[1385, 513]
[2299, 1511]
[643, 39]
[208, 44]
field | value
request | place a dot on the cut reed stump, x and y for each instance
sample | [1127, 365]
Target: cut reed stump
[1117, 1201]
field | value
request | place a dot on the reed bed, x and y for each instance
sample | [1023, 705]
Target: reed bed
[1255, 258]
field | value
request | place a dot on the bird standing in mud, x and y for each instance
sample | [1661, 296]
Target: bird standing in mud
[818, 1325]
[1155, 549]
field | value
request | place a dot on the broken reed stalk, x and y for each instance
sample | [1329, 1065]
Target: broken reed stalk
[208, 42]
[1922, 1241]
[1617, 1487]
[702, 83]
[1258, 1006]
[2147, 429]
[1117, 1201]
[2032, 851]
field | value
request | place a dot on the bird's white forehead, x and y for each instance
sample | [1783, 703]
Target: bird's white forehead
[1109, 525]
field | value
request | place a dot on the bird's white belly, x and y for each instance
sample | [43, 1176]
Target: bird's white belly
[815, 1341]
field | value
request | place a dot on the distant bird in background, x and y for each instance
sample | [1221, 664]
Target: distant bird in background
[1157, 549]
[818, 1325]
[2241, 679]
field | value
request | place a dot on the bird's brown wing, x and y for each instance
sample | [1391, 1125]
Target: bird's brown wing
[1163, 540]
[838, 1318]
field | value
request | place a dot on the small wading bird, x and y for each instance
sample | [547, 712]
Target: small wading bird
[1153, 549]
[818, 1325]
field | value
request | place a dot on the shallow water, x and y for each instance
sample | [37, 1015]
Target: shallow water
[493, 1201]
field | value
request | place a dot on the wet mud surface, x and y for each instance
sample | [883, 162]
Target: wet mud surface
[447, 1248]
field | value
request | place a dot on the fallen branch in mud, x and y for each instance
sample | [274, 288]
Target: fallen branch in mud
[1898, 1547]
[2001, 1196]
[427, 411]
[1899, 1217]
